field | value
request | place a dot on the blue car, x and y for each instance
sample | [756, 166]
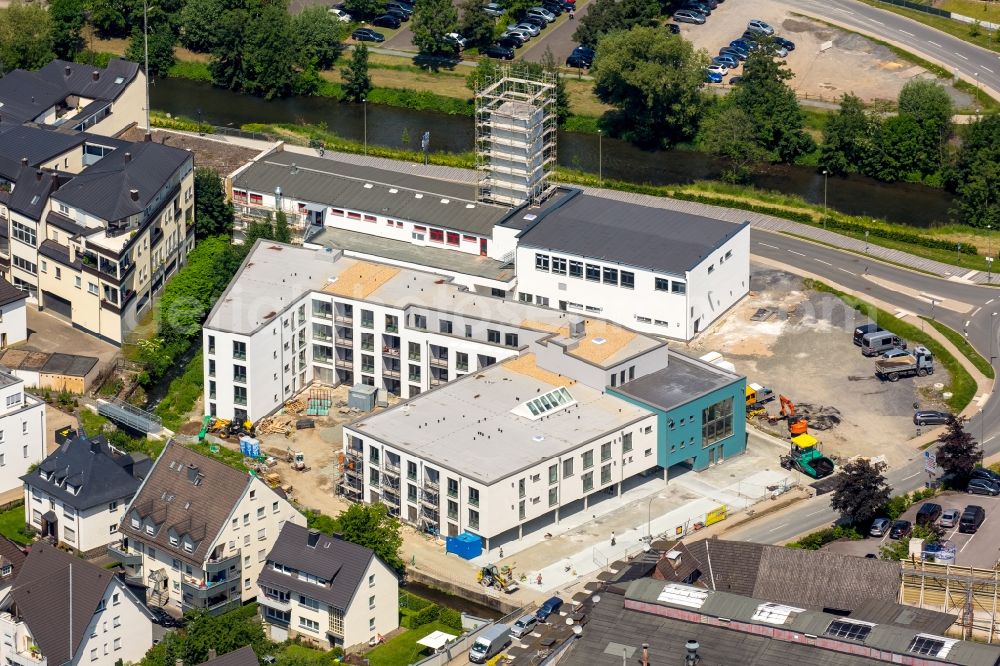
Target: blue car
[741, 45]
[733, 53]
[713, 77]
[727, 61]
[552, 605]
[787, 44]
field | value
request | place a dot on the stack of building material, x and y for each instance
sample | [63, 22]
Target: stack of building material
[294, 406]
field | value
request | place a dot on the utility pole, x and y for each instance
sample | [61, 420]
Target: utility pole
[145, 48]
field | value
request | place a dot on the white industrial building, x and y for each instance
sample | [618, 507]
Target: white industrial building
[617, 256]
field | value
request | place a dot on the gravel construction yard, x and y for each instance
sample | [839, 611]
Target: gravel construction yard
[827, 62]
[804, 350]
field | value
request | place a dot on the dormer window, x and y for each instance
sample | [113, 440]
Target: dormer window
[173, 540]
[73, 490]
[136, 523]
[7, 569]
[188, 546]
[150, 529]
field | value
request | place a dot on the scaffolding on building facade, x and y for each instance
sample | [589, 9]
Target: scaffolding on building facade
[515, 137]
[971, 593]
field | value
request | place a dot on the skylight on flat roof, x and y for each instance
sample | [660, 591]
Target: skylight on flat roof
[774, 613]
[854, 630]
[682, 595]
[119, 80]
[545, 404]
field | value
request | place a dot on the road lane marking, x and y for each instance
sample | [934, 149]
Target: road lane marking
[845, 270]
[987, 68]
[989, 439]
[775, 529]
[775, 247]
[907, 33]
[815, 512]
[935, 44]
[967, 322]
[960, 55]
[974, 534]
[990, 301]
[798, 253]
[876, 22]
[826, 263]
[907, 478]
[976, 311]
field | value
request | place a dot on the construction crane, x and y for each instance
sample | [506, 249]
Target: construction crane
[797, 425]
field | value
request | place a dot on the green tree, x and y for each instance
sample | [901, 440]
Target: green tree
[25, 37]
[899, 549]
[213, 215]
[66, 18]
[973, 177]
[847, 137]
[112, 18]
[860, 492]
[161, 49]
[729, 134]
[320, 36]
[228, 66]
[200, 23]
[370, 525]
[607, 16]
[190, 294]
[551, 67]
[772, 107]
[365, 9]
[282, 232]
[357, 82]
[654, 80]
[269, 54]
[929, 104]
[958, 453]
[476, 25]
[900, 150]
[486, 69]
[432, 20]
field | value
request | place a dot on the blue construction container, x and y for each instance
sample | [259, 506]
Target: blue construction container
[466, 545]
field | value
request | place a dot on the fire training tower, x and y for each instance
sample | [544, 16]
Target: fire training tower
[515, 137]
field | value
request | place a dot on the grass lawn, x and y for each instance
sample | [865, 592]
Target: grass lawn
[977, 9]
[306, 655]
[12, 525]
[403, 649]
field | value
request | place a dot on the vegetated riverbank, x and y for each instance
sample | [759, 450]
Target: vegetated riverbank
[938, 243]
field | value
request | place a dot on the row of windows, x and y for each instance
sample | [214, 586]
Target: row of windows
[673, 286]
[23, 233]
[591, 272]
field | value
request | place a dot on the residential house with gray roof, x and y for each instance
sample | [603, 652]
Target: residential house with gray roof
[64, 610]
[77, 495]
[198, 531]
[326, 591]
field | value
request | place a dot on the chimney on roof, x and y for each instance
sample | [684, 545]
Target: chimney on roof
[128, 157]
[38, 175]
[192, 468]
[313, 538]
[212, 654]
[577, 328]
[95, 446]
[67, 70]
[692, 658]
[645, 654]
[674, 558]
[95, 75]
[134, 195]
[24, 161]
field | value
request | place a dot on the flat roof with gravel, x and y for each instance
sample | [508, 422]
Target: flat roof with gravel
[468, 425]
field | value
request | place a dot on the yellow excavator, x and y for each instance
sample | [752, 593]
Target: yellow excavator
[501, 578]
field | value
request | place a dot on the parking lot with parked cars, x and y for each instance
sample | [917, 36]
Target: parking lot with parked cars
[969, 522]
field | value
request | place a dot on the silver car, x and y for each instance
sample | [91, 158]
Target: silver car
[949, 518]
[524, 626]
[529, 28]
[879, 527]
[688, 16]
[762, 27]
[543, 13]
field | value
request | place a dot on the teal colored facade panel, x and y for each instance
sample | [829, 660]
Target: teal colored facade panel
[679, 430]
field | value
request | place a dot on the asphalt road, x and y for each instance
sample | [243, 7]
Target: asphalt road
[977, 64]
[854, 272]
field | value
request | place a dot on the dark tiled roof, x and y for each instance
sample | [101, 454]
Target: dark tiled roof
[26, 94]
[57, 252]
[41, 597]
[342, 563]
[628, 234]
[69, 364]
[37, 144]
[89, 464]
[60, 221]
[808, 579]
[31, 191]
[103, 189]
[10, 294]
[10, 554]
[907, 617]
[243, 657]
[170, 497]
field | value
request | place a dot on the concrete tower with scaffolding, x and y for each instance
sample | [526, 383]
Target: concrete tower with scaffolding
[515, 137]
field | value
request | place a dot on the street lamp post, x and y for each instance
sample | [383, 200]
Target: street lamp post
[649, 510]
[145, 49]
[600, 157]
[866, 241]
[993, 321]
[364, 103]
[826, 176]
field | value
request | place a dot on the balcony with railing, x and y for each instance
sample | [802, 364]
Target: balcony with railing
[321, 312]
[390, 469]
[222, 563]
[119, 553]
[344, 315]
[344, 363]
[391, 372]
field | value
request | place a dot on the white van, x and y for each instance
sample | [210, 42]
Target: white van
[490, 643]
